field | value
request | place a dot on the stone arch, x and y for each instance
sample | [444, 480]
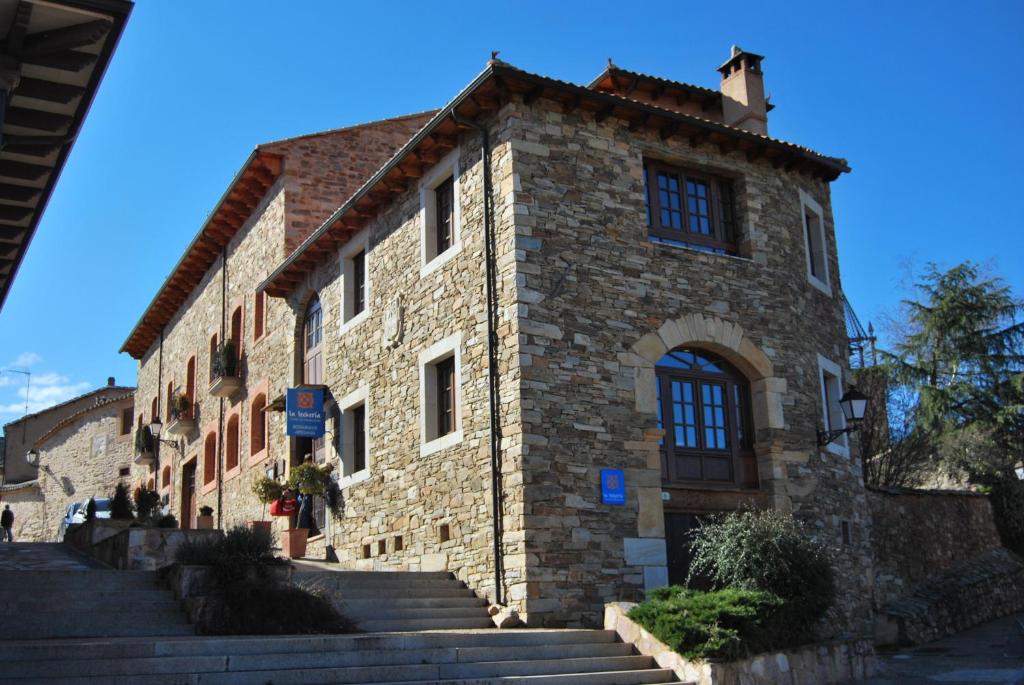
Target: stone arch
[724, 338]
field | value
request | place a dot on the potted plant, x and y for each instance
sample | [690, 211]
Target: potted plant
[267, 490]
[226, 379]
[205, 519]
[144, 446]
[182, 419]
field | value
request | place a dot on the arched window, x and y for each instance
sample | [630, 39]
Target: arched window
[170, 401]
[210, 459]
[190, 387]
[213, 357]
[231, 456]
[704, 408]
[165, 478]
[153, 408]
[257, 425]
[151, 484]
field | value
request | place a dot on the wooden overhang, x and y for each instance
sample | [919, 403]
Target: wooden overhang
[630, 84]
[246, 191]
[52, 57]
[485, 94]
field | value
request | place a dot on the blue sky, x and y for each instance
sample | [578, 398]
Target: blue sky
[923, 99]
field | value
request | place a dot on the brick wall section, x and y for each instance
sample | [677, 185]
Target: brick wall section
[78, 461]
[595, 296]
[917, 534]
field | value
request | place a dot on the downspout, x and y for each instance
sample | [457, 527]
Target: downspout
[159, 410]
[492, 350]
[220, 400]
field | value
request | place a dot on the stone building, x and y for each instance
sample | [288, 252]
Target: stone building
[67, 453]
[548, 288]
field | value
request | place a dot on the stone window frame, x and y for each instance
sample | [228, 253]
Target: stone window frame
[830, 385]
[359, 243]
[233, 413]
[358, 397]
[126, 436]
[261, 388]
[442, 350]
[814, 252]
[166, 474]
[260, 311]
[447, 168]
[206, 487]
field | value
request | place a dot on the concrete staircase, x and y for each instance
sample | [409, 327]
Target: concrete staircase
[45, 604]
[389, 601]
[486, 657]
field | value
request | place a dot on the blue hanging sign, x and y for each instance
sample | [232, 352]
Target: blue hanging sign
[613, 486]
[305, 411]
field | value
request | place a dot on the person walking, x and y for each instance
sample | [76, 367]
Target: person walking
[7, 524]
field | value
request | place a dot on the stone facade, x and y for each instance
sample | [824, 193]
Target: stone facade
[82, 454]
[586, 306]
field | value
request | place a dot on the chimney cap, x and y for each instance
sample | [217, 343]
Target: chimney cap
[110, 381]
[737, 55]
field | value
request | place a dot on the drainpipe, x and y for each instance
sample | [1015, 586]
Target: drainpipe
[159, 411]
[492, 350]
[220, 400]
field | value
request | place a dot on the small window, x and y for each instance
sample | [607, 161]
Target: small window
[382, 547]
[813, 229]
[444, 533]
[439, 213]
[231, 455]
[366, 552]
[354, 280]
[170, 402]
[353, 451]
[832, 413]
[257, 425]
[440, 395]
[690, 208]
[398, 543]
[165, 478]
[153, 409]
[213, 357]
[190, 387]
[210, 459]
[259, 315]
[124, 471]
[126, 420]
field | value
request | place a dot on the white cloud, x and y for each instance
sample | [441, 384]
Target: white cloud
[26, 359]
[47, 389]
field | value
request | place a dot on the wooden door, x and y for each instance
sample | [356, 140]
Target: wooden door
[677, 541]
[312, 374]
[188, 496]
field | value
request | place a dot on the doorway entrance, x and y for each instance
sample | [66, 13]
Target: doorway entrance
[678, 526]
[188, 495]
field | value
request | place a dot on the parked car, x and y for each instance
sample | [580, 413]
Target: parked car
[74, 514]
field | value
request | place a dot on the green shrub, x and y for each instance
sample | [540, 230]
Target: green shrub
[90, 510]
[146, 503]
[167, 521]
[767, 551]
[121, 503]
[727, 624]
[253, 545]
[199, 551]
[267, 489]
[310, 479]
[261, 607]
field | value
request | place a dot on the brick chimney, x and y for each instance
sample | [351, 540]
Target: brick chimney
[110, 381]
[743, 101]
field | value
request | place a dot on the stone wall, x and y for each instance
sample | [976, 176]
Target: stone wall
[599, 303]
[917, 534]
[80, 456]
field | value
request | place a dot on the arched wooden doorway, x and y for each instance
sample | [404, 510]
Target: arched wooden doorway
[313, 374]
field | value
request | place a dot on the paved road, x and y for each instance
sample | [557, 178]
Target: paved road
[991, 653]
[42, 556]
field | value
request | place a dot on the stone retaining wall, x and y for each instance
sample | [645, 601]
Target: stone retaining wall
[821, 664]
[918, 534]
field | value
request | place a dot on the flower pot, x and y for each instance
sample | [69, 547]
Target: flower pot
[293, 542]
[204, 522]
[263, 526]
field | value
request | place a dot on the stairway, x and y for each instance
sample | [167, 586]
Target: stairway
[50, 604]
[390, 601]
[486, 657]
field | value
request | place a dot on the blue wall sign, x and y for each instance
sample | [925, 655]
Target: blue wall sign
[305, 410]
[613, 486]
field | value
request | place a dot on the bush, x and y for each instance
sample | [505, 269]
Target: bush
[121, 503]
[727, 624]
[267, 489]
[146, 504]
[767, 551]
[90, 510]
[199, 551]
[261, 607]
[310, 479]
[167, 521]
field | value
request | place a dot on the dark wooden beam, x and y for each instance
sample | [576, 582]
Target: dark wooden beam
[531, 96]
[67, 38]
[69, 60]
[47, 90]
[571, 104]
[12, 234]
[23, 170]
[10, 214]
[667, 132]
[18, 193]
[16, 34]
[604, 113]
[39, 120]
[698, 139]
[637, 124]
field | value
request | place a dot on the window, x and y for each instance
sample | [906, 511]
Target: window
[190, 387]
[127, 415]
[165, 478]
[124, 472]
[236, 329]
[440, 395]
[832, 415]
[210, 459]
[690, 208]
[439, 213]
[259, 314]
[354, 448]
[704, 409]
[257, 425]
[231, 456]
[213, 357]
[355, 282]
[153, 409]
[170, 400]
[814, 243]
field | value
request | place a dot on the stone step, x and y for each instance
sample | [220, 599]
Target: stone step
[385, 612]
[410, 603]
[400, 592]
[407, 625]
[84, 581]
[305, 660]
[341, 581]
[61, 598]
[642, 677]
[302, 571]
[139, 647]
[92, 606]
[85, 626]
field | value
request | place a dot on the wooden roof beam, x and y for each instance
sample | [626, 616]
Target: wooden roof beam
[667, 132]
[67, 38]
[604, 113]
